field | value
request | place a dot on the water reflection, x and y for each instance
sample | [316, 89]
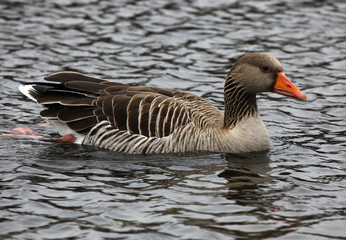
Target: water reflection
[245, 174]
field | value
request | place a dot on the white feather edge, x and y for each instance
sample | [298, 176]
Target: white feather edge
[62, 128]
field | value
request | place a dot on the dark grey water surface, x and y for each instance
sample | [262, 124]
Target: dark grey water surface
[60, 191]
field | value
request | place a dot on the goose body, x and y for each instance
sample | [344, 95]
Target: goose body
[141, 119]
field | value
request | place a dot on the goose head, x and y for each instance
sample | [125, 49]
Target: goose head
[259, 72]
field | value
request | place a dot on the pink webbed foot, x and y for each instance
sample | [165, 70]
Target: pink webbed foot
[25, 133]
[29, 134]
[69, 138]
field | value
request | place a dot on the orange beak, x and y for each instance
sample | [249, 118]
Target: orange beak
[284, 87]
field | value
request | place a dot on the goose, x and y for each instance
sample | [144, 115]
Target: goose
[150, 120]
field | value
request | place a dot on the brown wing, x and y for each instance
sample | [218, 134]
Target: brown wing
[82, 102]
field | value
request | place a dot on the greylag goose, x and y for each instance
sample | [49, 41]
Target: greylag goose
[140, 119]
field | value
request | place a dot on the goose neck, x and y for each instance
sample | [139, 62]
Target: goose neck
[239, 103]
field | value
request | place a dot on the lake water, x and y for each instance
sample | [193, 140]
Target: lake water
[63, 191]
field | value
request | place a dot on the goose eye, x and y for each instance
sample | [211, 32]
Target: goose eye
[265, 69]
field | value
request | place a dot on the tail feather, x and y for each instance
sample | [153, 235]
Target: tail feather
[29, 91]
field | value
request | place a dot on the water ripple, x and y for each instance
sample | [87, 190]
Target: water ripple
[61, 191]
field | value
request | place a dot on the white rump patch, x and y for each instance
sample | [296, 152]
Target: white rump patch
[63, 130]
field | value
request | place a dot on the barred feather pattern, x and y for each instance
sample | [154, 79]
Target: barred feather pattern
[128, 119]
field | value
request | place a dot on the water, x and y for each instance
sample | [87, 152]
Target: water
[61, 191]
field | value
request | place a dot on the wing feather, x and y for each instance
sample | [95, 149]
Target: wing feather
[161, 118]
[120, 105]
[167, 130]
[83, 125]
[144, 115]
[83, 86]
[57, 96]
[69, 114]
[99, 115]
[153, 113]
[69, 76]
[133, 114]
[107, 108]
